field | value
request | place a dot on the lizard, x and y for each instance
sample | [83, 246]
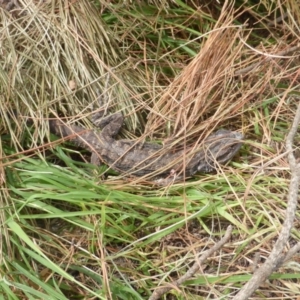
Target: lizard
[140, 159]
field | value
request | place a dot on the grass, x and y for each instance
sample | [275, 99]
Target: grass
[70, 232]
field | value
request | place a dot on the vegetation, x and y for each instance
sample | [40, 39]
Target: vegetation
[177, 70]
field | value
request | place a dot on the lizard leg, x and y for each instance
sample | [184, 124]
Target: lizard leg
[98, 117]
[113, 122]
[110, 125]
[95, 160]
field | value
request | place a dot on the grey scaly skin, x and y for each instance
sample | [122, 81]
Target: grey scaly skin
[139, 159]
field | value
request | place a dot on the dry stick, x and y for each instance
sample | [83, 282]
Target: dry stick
[196, 266]
[276, 258]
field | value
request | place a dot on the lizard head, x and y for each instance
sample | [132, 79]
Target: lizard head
[219, 148]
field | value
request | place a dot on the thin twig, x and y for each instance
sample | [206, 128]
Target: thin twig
[196, 266]
[292, 252]
[276, 258]
[277, 20]
[284, 258]
[280, 54]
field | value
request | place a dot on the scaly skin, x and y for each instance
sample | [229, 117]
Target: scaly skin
[139, 159]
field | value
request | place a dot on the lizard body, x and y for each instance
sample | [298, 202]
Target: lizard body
[139, 159]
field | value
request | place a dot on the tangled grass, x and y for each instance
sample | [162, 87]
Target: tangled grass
[177, 72]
